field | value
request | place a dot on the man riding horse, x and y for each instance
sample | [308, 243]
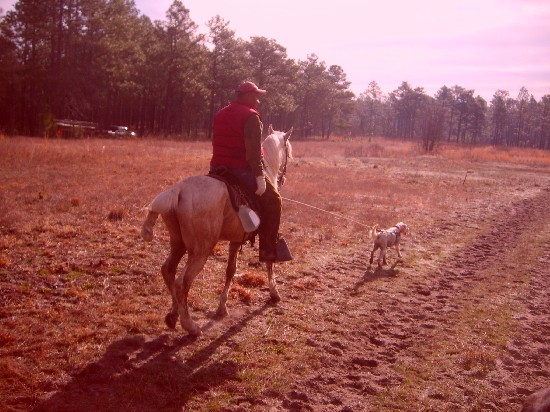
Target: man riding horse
[237, 146]
[198, 211]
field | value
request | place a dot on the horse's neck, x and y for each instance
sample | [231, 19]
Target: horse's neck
[272, 159]
[272, 173]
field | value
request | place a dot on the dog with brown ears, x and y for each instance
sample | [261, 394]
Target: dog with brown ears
[383, 239]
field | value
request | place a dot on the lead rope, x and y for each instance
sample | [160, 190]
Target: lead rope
[326, 211]
[413, 236]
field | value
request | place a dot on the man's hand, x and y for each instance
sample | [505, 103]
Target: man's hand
[260, 182]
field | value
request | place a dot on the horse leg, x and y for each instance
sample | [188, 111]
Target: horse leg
[275, 297]
[182, 286]
[229, 273]
[168, 270]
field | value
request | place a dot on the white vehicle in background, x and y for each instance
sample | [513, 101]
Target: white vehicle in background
[120, 131]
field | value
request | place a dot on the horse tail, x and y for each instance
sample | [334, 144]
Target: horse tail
[164, 203]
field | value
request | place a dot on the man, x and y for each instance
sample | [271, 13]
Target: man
[237, 145]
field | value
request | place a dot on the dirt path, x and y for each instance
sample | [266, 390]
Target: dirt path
[375, 329]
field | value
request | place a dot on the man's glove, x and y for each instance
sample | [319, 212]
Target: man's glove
[260, 183]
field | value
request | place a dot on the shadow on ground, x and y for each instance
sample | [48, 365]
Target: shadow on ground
[377, 272]
[138, 374]
[374, 273]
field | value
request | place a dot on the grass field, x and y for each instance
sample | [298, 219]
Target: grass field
[457, 325]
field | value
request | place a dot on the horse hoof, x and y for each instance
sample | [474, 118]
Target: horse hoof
[191, 327]
[195, 333]
[221, 313]
[171, 320]
[275, 298]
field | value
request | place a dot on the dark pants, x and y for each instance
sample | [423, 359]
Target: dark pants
[270, 213]
[271, 204]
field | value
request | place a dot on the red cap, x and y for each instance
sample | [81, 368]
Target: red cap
[248, 87]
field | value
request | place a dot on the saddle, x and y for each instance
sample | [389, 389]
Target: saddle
[238, 194]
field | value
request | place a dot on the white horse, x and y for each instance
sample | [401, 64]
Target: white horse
[198, 213]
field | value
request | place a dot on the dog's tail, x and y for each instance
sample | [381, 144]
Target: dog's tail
[373, 233]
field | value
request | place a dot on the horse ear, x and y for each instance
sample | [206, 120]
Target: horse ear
[287, 134]
[270, 130]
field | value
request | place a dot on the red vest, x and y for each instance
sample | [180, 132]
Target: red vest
[228, 147]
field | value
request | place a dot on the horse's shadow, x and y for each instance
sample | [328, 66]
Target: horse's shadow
[136, 374]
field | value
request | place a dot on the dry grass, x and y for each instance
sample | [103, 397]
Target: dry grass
[378, 147]
[251, 279]
[356, 148]
[497, 154]
[82, 301]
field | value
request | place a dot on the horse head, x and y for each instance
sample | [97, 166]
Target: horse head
[277, 152]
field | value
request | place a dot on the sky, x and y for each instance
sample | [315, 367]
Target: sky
[484, 45]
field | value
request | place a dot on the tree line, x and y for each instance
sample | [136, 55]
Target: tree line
[102, 61]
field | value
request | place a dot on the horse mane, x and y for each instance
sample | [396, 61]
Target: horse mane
[274, 153]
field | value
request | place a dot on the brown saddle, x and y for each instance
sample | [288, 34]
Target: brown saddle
[238, 194]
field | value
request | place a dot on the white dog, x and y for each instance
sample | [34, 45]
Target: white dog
[384, 239]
